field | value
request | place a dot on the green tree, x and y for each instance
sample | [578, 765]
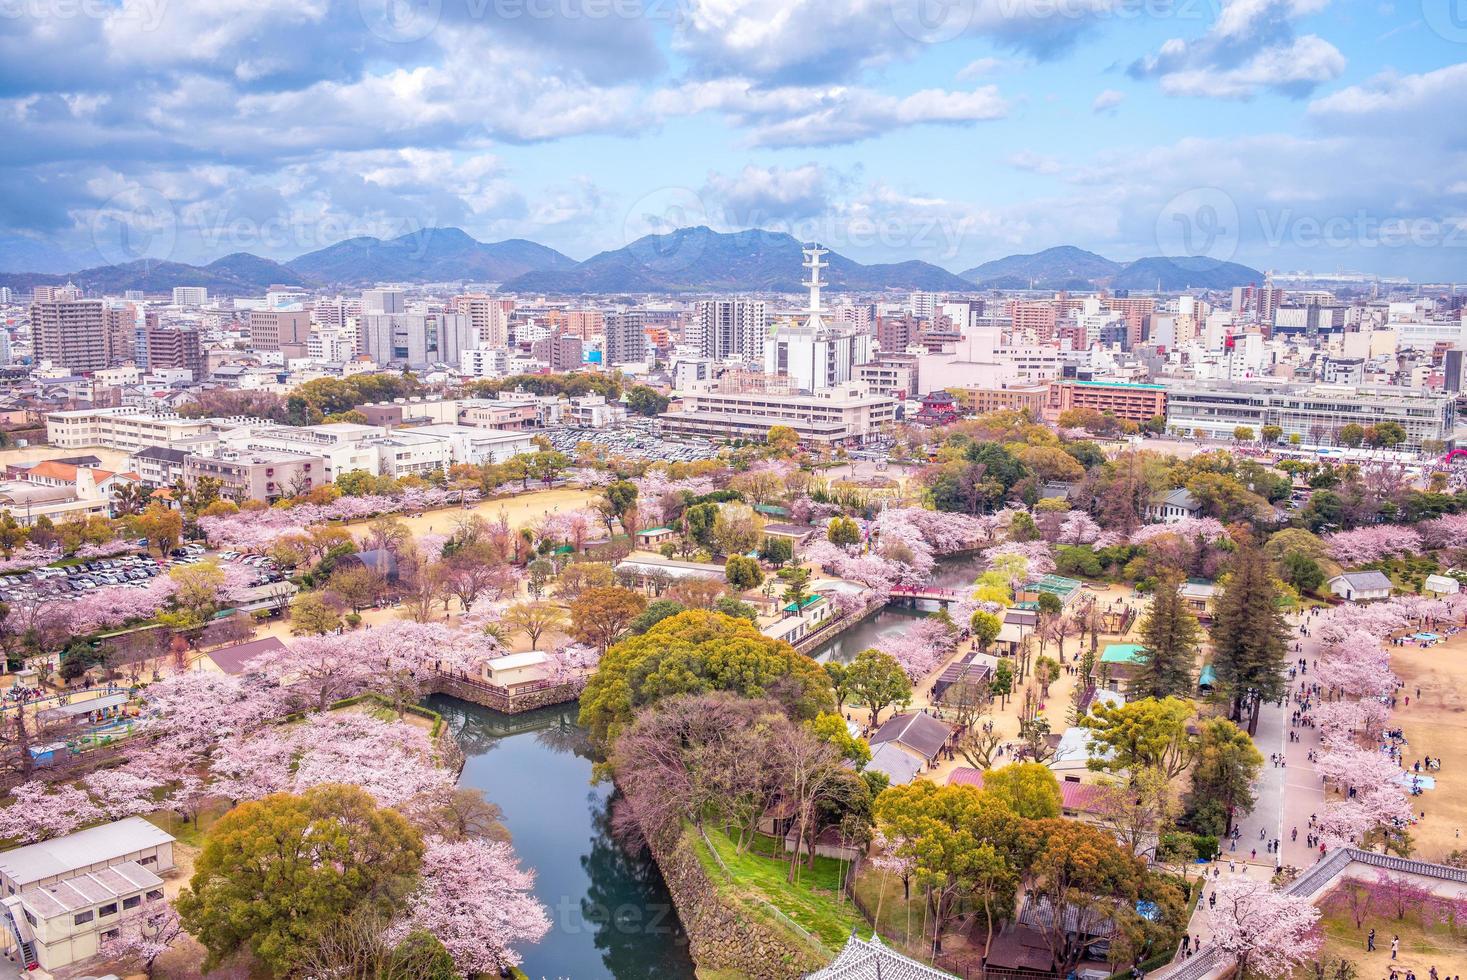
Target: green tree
[877, 680]
[1222, 776]
[1302, 572]
[657, 610]
[985, 627]
[312, 615]
[1002, 684]
[1169, 638]
[645, 401]
[699, 519]
[277, 872]
[600, 616]
[1149, 732]
[1385, 435]
[958, 841]
[795, 580]
[839, 681]
[1030, 789]
[160, 525]
[695, 652]
[1243, 433]
[831, 727]
[782, 440]
[1351, 434]
[1250, 640]
[743, 573]
[776, 551]
[1272, 433]
[843, 531]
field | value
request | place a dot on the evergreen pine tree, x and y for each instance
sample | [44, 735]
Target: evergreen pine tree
[1169, 636]
[1250, 640]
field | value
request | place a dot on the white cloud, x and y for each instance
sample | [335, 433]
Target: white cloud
[1107, 101]
[1250, 48]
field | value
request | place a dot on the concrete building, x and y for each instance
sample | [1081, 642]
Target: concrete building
[190, 295]
[287, 331]
[125, 429]
[1023, 398]
[847, 414]
[257, 474]
[731, 329]
[476, 446]
[70, 333]
[415, 339]
[158, 466]
[405, 453]
[488, 318]
[171, 347]
[1137, 402]
[1315, 413]
[626, 341]
[341, 446]
[63, 896]
[560, 351]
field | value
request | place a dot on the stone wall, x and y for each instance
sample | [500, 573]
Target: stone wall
[501, 700]
[726, 932]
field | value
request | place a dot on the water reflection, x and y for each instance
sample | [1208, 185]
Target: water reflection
[611, 913]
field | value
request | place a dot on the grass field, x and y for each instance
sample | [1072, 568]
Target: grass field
[1435, 724]
[813, 901]
[1421, 948]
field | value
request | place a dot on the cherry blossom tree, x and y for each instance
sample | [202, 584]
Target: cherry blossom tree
[1209, 529]
[145, 935]
[479, 902]
[317, 670]
[1266, 931]
[1368, 544]
[38, 812]
[1446, 531]
[920, 647]
[1037, 555]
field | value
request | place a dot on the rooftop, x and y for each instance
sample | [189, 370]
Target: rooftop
[232, 660]
[1122, 653]
[88, 889]
[95, 845]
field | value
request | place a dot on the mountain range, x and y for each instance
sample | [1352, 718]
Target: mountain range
[686, 260]
[1068, 267]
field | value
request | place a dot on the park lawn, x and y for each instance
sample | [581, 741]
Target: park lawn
[1435, 724]
[812, 902]
[1421, 949]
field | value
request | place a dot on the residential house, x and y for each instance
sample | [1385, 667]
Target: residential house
[1361, 586]
[907, 742]
[1174, 506]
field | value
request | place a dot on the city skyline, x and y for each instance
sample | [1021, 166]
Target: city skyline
[1278, 133]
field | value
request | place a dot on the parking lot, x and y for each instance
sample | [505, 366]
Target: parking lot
[69, 581]
[634, 440]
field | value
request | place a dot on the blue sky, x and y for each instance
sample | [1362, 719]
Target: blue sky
[1286, 134]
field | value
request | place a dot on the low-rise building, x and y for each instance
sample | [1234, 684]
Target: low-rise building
[63, 896]
[847, 414]
[1361, 586]
[476, 446]
[1137, 402]
[124, 429]
[257, 474]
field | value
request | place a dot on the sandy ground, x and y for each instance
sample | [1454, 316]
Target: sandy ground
[111, 458]
[1435, 724]
[519, 510]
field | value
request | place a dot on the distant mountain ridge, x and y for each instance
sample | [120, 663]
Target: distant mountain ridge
[703, 260]
[696, 260]
[1071, 268]
[429, 255]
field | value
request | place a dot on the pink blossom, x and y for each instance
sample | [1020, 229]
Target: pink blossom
[1367, 544]
[920, 647]
[1265, 930]
[146, 933]
[38, 813]
[479, 902]
[1038, 558]
[1188, 528]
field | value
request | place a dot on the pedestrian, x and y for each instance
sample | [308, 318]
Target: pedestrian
[1212, 900]
[1370, 941]
[1395, 946]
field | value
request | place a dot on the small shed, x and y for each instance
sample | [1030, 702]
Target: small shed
[1120, 663]
[915, 732]
[516, 669]
[1442, 585]
[1361, 586]
[654, 537]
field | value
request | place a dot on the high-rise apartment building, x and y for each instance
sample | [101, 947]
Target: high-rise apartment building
[488, 317]
[415, 339]
[190, 295]
[626, 341]
[923, 305]
[561, 351]
[731, 329]
[120, 327]
[171, 347]
[70, 333]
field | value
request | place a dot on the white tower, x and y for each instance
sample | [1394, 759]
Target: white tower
[813, 265]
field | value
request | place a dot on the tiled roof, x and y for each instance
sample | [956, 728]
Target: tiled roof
[861, 959]
[915, 730]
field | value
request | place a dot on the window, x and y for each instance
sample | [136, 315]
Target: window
[109, 909]
[82, 917]
[156, 895]
[29, 918]
[111, 934]
[147, 860]
[132, 903]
